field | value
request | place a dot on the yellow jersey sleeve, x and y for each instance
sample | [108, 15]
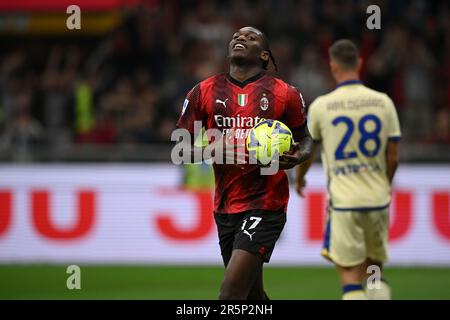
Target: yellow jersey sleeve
[314, 121]
[394, 132]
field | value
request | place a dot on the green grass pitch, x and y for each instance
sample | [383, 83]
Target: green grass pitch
[202, 282]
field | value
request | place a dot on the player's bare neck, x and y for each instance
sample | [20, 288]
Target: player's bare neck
[347, 76]
[242, 73]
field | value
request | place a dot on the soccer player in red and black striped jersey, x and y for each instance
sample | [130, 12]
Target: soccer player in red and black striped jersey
[249, 208]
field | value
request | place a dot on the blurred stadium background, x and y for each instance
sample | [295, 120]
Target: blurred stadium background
[85, 123]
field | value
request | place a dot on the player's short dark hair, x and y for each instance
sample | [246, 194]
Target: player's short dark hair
[345, 53]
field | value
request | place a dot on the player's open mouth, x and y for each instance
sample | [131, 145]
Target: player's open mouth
[239, 46]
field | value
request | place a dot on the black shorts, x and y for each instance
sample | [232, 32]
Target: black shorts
[255, 231]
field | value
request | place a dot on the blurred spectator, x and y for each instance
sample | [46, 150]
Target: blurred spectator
[22, 132]
[441, 131]
[310, 75]
[419, 94]
[128, 87]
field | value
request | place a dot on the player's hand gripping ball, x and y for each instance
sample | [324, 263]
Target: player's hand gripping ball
[268, 140]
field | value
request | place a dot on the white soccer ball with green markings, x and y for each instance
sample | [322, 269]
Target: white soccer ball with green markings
[267, 140]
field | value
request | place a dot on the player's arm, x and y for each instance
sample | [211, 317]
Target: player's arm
[190, 126]
[392, 148]
[303, 168]
[305, 143]
[392, 159]
[301, 150]
[295, 118]
[190, 143]
[315, 135]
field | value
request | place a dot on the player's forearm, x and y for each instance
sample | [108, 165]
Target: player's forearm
[303, 168]
[391, 168]
[306, 145]
[305, 142]
[392, 159]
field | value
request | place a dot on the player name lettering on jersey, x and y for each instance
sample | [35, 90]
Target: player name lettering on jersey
[355, 104]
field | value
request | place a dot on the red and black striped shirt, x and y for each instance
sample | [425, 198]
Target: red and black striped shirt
[224, 103]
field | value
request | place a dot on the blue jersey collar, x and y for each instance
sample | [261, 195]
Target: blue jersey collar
[349, 82]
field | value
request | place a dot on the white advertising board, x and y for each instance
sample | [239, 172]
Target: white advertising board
[139, 214]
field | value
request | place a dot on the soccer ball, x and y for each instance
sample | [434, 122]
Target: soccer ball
[267, 140]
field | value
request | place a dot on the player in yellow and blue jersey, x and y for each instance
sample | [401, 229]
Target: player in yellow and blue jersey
[359, 131]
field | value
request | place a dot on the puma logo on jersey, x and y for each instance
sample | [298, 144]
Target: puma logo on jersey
[222, 102]
[250, 235]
